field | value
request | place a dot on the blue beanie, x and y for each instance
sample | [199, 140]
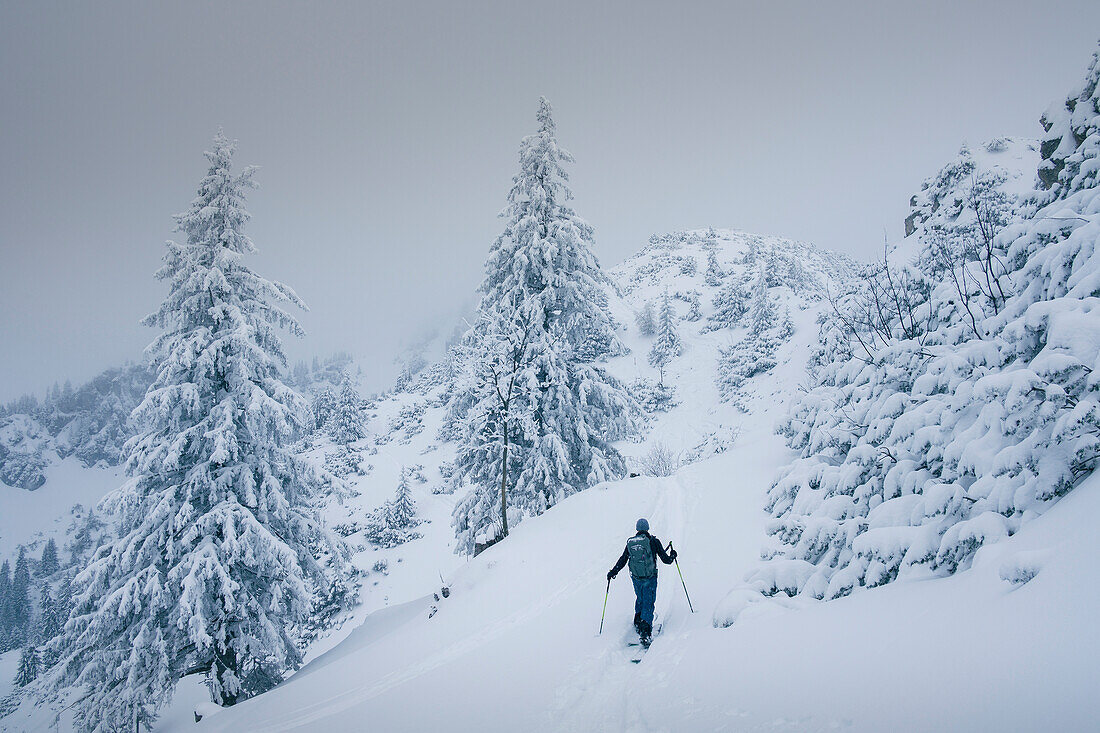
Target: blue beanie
[642, 526]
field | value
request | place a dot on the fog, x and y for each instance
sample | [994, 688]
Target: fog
[387, 136]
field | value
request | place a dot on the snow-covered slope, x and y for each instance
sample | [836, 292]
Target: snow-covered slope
[515, 641]
[516, 644]
[403, 425]
[537, 595]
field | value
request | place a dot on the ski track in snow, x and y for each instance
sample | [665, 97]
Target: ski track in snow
[583, 699]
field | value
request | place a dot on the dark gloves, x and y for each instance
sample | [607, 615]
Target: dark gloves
[611, 574]
[672, 555]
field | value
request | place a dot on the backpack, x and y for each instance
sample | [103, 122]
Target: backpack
[639, 551]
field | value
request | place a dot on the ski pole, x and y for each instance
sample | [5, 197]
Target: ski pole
[686, 594]
[606, 593]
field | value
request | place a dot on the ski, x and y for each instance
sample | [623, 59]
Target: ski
[641, 647]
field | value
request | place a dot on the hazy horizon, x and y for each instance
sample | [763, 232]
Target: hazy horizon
[387, 136]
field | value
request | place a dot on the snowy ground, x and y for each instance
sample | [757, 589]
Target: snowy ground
[516, 644]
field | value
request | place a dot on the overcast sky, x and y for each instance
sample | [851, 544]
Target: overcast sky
[387, 136]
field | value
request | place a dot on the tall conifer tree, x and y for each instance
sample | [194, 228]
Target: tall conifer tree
[667, 346]
[541, 415]
[213, 563]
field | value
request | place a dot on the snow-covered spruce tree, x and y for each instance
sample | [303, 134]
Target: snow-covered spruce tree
[55, 610]
[17, 607]
[795, 276]
[540, 415]
[5, 594]
[563, 272]
[86, 536]
[749, 259]
[714, 274]
[730, 306]
[213, 564]
[762, 316]
[28, 669]
[299, 376]
[667, 345]
[393, 523]
[773, 268]
[345, 424]
[946, 427]
[403, 509]
[323, 407]
[646, 320]
[49, 564]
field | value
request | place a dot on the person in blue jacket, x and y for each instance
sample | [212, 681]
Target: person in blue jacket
[641, 553]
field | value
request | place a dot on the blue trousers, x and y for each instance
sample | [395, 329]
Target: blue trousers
[646, 591]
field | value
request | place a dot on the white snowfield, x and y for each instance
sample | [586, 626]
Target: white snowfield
[515, 646]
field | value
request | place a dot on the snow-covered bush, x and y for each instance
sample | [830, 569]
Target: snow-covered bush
[23, 445]
[730, 306]
[1019, 570]
[660, 460]
[409, 419]
[694, 304]
[936, 428]
[653, 397]
[714, 442]
[394, 522]
[344, 461]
